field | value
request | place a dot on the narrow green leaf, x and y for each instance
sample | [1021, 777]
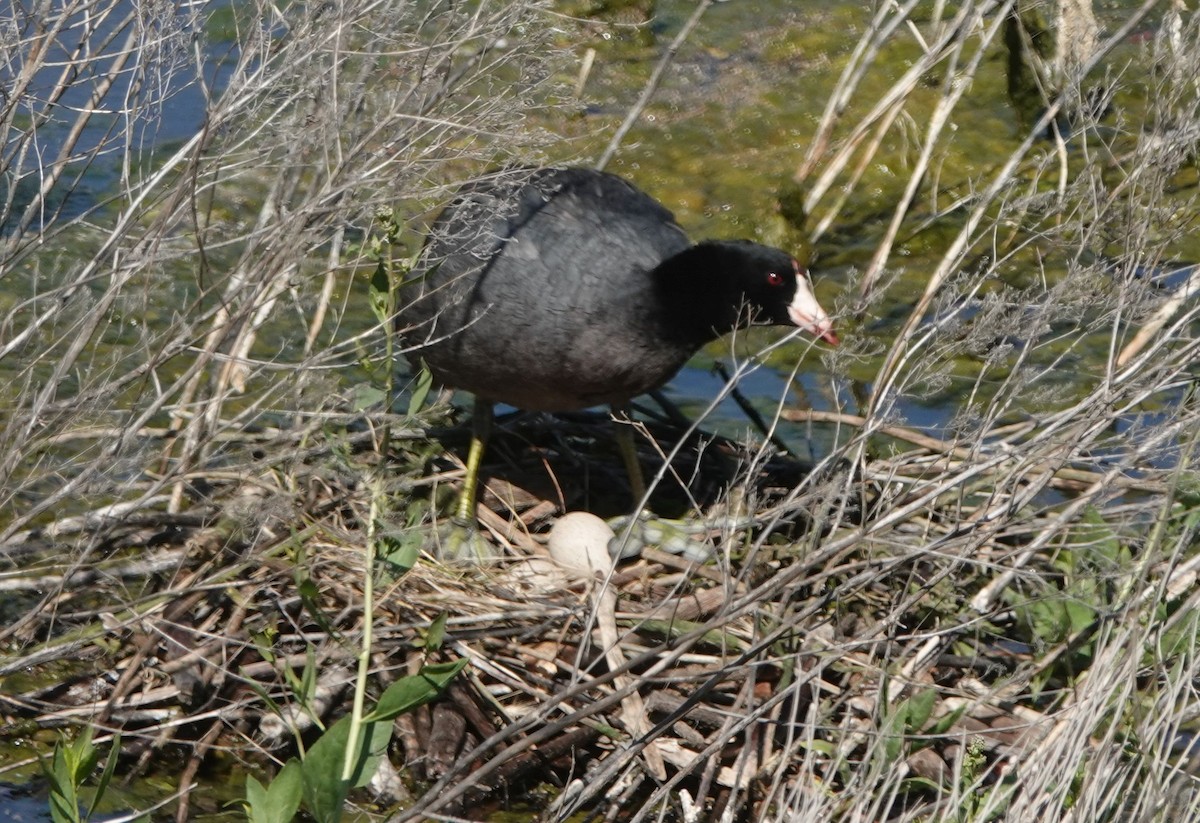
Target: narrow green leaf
[82, 756]
[892, 746]
[63, 809]
[64, 802]
[1093, 530]
[408, 693]
[436, 633]
[943, 723]
[420, 390]
[110, 765]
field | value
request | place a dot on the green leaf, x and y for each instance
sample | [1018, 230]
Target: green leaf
[64, 809]
[1187, 488]
[255, 803]
[376, 737]
[420, 390]
[110, 765]
[324, 789]
[1080, 615]
[399, 555]
[714, 639]
[279, 802]
[915, 784]
[379, 296]
[64, 802]
[943, 723]
[1094, 531]
[408, 693]
[918, 708]
[436, 633]
[82, 757]
[366, 396]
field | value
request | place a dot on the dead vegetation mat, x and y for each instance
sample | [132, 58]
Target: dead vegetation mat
[905, 620]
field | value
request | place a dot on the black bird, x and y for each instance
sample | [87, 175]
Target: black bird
[562, 288]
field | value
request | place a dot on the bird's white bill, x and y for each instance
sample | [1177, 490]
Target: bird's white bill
[806, 312]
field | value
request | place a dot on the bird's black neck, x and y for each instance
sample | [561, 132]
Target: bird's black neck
[698, 297]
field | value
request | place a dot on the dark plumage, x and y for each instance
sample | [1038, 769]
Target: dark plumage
[559, 289]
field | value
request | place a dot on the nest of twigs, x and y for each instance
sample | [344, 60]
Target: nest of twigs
[853, 630]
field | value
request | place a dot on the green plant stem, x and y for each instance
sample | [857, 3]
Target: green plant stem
[364, 656]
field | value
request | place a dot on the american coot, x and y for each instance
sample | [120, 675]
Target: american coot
[558, 289]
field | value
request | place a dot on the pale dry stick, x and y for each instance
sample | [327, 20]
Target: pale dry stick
[845, 152]
[985, 599]
[326, 296]
[981, 527]
[66, 159]
[1160, 318]
[1108, 681]
[864, 54]
[740, 776]
[1064, 171]
[236, 367]
[448, 790]
[880, 118]
[95, 520]
[166, 37]
[585, 69]
[716, 743]
[904, 433]
[633, 709]
[1148, 158]
[888, 373]
[120, 231]
[895, 97]
[260, 302]
[659, 660]
[798, 732]
[86, 328]
[1174, 343]
[951, 450]
[652, 84]
[196, 431]
[773, 587]
[1163, 591]
[1056, 429]
[238, 99]
[758, 596]
[66, 491]
[146, 566]
[22, 141]
[953, 89]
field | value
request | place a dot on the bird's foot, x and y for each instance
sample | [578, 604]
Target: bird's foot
[458, 542]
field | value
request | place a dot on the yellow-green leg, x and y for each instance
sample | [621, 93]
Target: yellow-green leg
[481, 430]
[637, 481]
[461, 540]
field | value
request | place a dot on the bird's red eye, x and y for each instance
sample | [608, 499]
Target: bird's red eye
[774, 279]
